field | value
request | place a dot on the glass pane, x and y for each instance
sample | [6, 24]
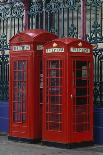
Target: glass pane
[54, 85]
[19, 92]
[81, 98]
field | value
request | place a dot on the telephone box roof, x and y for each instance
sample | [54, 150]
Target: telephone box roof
[31, 35]
[34, 33]
[70, 40]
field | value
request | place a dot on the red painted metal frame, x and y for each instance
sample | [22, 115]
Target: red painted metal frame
[31, 129]
[67, 135]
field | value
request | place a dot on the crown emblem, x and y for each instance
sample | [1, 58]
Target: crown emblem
[80, 44]
[54, 45]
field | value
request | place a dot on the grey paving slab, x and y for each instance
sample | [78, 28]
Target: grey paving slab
[15, 148]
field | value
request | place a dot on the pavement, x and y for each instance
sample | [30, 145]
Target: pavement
[17, 148]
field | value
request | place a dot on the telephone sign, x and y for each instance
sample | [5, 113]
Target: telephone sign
[50, 50]
[21, 48]
[85, 50]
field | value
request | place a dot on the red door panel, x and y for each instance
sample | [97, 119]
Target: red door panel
[19, 95]
[54, 100]
[81, 99]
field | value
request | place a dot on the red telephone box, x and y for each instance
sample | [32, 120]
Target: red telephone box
[25, 69]
[68, 93]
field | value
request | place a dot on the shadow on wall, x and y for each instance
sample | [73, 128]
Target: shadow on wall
[4, 117]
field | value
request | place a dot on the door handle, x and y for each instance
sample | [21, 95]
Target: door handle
[71, 96]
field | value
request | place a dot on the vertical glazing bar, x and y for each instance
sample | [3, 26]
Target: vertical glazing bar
[59, 86]
[94, 57]
[48, 86]
[75, 78]
[83, 19]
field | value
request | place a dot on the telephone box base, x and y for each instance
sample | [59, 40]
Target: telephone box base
[24, 140]
[69, 145]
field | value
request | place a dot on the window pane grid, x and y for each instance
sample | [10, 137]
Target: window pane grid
[19, 95]
[54, 95]
[81, 99]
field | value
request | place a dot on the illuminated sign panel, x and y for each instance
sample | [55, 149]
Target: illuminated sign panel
[82, 50]
[21, 48]
[53, 50]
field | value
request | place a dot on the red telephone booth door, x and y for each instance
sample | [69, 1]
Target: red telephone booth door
[54, 110]
[19, 85]
[82, 99]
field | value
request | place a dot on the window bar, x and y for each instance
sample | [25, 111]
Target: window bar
[48, 83]
[75, 104]
[59, 95]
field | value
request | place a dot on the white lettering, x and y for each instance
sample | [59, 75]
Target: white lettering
[85, 50]
[21, 48]
[50, 50]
